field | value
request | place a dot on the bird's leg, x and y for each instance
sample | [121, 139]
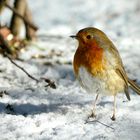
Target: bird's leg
[93, 114]
[113, 118]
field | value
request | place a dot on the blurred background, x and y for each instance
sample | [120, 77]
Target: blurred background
[120, 17]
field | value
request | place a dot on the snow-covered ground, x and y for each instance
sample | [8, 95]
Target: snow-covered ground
[29, 111]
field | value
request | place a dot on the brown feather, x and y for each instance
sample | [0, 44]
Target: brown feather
[134, 86]
[122, 74]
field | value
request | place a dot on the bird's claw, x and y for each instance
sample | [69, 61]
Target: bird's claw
[92, 115]
[113, 118]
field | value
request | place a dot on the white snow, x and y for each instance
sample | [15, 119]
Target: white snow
[39, 113]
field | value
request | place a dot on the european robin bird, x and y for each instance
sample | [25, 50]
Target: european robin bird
[99, 68]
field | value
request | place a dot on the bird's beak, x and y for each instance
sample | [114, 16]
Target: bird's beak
[73, 36]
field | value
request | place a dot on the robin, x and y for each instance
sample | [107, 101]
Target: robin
[99, 68]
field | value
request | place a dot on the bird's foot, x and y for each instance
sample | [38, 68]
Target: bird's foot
[92, 115]
[113, 118]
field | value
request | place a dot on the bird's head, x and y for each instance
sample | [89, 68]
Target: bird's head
[91, 36]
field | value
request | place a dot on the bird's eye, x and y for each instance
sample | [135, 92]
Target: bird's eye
[88, 37]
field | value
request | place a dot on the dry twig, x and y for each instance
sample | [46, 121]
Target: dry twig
[23, 18]
[100, 123]
[5, 49]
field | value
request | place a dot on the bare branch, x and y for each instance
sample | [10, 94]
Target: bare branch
[100, 123]
[23, 18]
[5, 49]
[22, 69]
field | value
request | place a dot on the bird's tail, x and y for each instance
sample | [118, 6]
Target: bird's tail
[134, 86]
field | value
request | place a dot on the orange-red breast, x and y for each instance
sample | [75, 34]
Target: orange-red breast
[98, 66]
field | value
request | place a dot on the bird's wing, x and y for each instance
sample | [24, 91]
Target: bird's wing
[119, 68]
[121, 71]
[123, 75]
[134, 86]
